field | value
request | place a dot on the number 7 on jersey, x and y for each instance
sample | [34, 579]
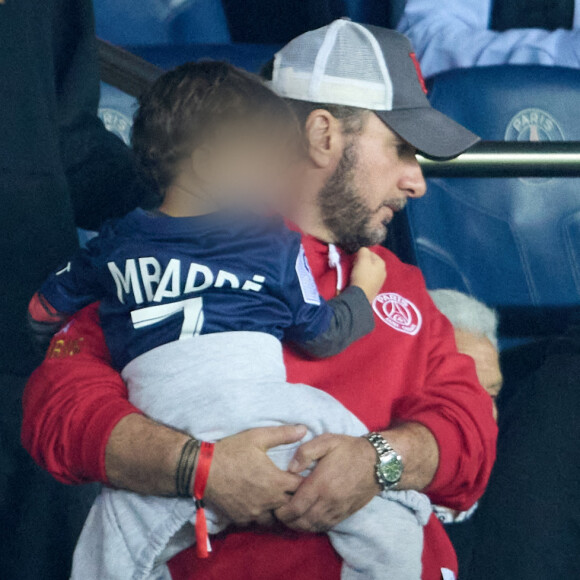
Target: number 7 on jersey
[192, 316]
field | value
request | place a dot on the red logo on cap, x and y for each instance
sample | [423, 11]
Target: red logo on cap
[419, 73]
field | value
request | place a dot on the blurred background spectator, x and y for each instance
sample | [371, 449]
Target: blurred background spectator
[449, 34]
[475, 326]
[528, 522]
[157, 22]
[59, 168]
[527, 525]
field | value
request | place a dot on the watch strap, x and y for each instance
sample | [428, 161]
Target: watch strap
[380, 444]
[382, 448]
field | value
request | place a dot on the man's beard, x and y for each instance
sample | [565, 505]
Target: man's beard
[344, 213]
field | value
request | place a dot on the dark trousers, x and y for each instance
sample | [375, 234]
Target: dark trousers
[528, 524]
[40, 519]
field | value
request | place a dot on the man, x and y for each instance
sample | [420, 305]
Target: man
[58, 167]
[450, 34]
[358, 93]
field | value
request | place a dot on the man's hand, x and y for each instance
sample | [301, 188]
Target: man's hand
[341, 483]
[244, 483]
[142, 456]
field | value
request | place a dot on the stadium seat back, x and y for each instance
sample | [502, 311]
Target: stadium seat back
[248, 56]
[509, 242]
[161, 22]
[116, 110]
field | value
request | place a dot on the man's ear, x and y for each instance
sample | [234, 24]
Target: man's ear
[324, 138]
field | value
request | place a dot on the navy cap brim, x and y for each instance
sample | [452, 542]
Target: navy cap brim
[431, 132]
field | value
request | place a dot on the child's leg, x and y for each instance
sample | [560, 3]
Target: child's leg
[384, 539]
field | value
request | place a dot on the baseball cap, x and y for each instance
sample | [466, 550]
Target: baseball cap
[369, 67]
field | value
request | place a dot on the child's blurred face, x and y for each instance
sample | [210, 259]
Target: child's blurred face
[249, 165]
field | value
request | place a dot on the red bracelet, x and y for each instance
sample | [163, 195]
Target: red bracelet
[201, 476]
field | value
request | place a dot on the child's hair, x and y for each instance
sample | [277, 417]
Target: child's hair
[188, 103]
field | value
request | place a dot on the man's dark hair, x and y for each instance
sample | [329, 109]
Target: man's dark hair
[189, 103]
[351, 118]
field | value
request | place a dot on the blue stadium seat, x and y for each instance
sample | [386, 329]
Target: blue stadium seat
[116, 110]
[161, 22]
[512, 243]
[248, 56]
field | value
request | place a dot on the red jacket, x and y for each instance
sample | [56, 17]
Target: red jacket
[408, 368]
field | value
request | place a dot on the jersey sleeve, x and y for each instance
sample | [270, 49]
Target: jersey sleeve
[296, 287]
[352, 318]
[75, 284]
[320, 329]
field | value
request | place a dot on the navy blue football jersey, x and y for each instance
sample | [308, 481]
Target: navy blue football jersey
[161, 279]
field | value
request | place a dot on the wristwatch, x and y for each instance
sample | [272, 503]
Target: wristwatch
[389, 465]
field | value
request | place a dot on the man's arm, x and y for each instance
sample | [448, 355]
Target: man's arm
[79, 425]
[445, 432]
[343, 481]
[142, 455]
[450, 34]
[72, 403]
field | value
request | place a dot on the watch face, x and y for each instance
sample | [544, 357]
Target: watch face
[391, 467]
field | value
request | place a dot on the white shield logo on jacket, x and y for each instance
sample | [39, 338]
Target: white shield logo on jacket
[398, 312]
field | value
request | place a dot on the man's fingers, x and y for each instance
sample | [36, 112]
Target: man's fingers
[289, 482]
[267, 519]
[304, 498]
[268, 437]
[310, 452]
[316, 519]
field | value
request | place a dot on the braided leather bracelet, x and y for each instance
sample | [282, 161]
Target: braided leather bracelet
[186, 467]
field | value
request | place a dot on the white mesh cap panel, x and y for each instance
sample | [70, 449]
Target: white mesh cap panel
[340, 64]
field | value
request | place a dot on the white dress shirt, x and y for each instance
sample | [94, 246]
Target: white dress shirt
[449, 34]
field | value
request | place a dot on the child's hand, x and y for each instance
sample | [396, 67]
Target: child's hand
[369, 273]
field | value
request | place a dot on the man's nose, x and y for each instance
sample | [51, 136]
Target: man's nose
[412, 182]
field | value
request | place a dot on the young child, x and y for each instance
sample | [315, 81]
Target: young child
[195, 298]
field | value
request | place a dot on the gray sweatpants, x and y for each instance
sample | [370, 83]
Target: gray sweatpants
[214, 386]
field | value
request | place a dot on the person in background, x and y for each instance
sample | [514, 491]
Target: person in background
[527, 525]
[405, 380]
[475, 326]
[59, 168]
[451, 34]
